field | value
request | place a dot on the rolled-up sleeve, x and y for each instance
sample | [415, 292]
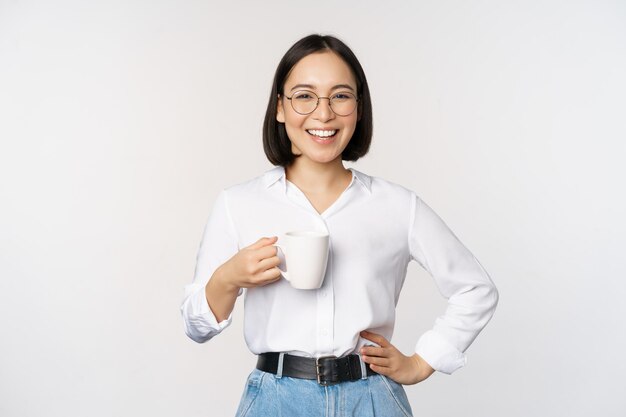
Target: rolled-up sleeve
[219, 243]
[461, 279]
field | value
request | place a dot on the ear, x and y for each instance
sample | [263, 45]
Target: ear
[280, 113]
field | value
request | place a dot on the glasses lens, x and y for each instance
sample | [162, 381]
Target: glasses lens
[304, 102]
[343, 104]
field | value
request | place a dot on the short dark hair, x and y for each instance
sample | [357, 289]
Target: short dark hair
[275, 140]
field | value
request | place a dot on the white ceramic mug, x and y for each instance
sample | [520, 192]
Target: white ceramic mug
[306, 256]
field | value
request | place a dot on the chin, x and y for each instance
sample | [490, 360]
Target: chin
[324, 161]
[320, 158]
[323, 158]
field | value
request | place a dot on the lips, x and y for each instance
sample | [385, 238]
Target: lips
[322, 135]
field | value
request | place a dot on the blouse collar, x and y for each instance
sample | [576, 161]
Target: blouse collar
[277, 174]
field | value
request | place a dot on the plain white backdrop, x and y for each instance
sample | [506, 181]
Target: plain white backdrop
[120, 121]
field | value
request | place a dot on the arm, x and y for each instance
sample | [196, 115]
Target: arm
[472, 299]
[208, 303]
[253, 266]
[219, 242]
[220, 295]
[472, 296]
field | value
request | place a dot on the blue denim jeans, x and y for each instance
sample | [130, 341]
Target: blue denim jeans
[266, 395]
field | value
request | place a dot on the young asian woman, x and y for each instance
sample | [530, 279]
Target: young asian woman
[327, 352]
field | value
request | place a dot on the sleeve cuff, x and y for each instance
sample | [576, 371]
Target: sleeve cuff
[201, 323]
[203, 312]
[440, 354]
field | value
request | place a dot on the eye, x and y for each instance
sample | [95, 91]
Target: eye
[303, 95]
[342, 96]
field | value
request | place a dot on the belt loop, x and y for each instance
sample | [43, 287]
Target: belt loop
[279, 371]
[363, 368]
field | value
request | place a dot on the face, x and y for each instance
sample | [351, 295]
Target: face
[325, 74]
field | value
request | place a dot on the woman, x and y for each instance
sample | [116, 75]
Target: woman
[327, 351]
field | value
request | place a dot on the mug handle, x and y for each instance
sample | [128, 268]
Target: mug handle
[284, 250]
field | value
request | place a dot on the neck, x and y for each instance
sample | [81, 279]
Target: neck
[312, 176]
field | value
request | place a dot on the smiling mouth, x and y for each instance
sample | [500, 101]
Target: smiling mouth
[322, 134]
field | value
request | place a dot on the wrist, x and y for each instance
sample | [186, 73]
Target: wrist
[424, 369]
[221, 281]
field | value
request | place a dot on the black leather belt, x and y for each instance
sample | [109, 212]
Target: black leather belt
[327, 370]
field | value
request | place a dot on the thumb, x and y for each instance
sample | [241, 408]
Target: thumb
[264, 241]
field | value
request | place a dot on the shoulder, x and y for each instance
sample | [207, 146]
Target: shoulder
[380, 187]
[256, 184]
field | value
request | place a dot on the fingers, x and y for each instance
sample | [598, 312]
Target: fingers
[269, 263]
[374, 351]
[380, 359]
[376, 338]
[389, 361]
[377, 355]
[269, 276]
[263, 248]
[265, 252]
[264, 241]
[382, 366]
[259, 251]
[372, 360]
[386, 364]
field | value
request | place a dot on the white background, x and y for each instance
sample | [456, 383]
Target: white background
[121, 120]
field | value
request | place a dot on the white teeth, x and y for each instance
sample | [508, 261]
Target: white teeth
[322, 133]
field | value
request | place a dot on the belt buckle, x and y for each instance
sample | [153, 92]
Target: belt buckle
[317, 371]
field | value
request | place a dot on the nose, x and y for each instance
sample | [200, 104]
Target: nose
[323, 112]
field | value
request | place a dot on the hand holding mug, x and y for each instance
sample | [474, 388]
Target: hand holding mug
[253, 266]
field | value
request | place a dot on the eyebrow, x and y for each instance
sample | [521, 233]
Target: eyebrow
[312, 87]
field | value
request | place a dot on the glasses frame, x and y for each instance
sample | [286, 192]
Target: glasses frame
[330, 103]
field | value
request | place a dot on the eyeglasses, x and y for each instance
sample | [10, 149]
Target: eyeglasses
[305, 102]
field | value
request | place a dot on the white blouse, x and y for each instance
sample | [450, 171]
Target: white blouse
[375, 227]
